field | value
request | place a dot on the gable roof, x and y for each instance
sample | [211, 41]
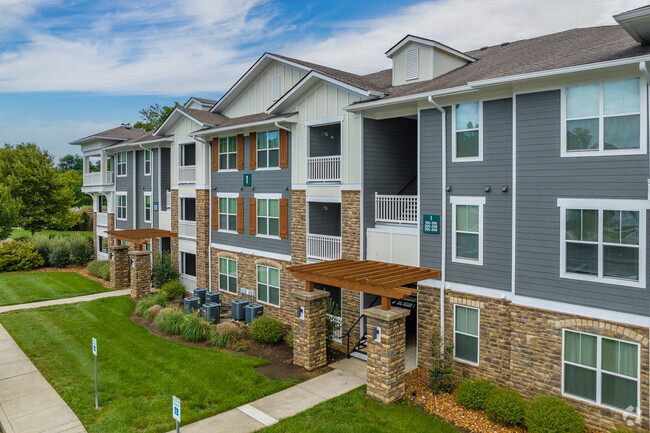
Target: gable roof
[430, 42]
[203, 101]
[202, 117]
[120, 133]
[244, 121]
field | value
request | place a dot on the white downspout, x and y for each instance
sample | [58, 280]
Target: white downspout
[443, 222]
[277, 124]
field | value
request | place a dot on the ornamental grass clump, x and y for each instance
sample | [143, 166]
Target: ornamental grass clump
[173, 289]
[505, 406]
[170, 320]
[143, 306]
[267, 330]
[224, 334]
[471, 394]
[194, 328]
[100, 269]
[547, 414]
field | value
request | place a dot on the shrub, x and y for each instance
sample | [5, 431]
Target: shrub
[241, 348]
[471, 394]
[100, 269]
[548, 414]
[163, 270]
[266, 329]
[194, 328]
[224, 334]
[442, 377]
[81, 249]
[59, 251]
[170, 320]
[332, 325]
[142, 309]
[505, 406]
[173, 289]
[154, 310]
[42, 242]
[19, 256]
[289, 339]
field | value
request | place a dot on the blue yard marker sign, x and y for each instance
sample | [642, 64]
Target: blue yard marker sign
[176, 404]
[431, 224]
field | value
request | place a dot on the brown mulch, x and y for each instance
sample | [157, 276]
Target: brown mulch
[81, 270]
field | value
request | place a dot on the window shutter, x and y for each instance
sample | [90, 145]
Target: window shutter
[284, 148]
[411, 60]
[240, 151]
[252, 217]
[252, 150]
[240, 214]
[284, 218]
[215, 213]
[215, 154]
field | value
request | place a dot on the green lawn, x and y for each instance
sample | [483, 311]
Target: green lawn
[138, 372]
[355, 413]
[21, 233]
[19, 288]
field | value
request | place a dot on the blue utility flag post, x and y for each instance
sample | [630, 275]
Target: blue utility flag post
[95, 354]
[176, 407]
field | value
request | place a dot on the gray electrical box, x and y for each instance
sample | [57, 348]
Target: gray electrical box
[253, 311]
[212, 312]
[237, 306]
[192, 303]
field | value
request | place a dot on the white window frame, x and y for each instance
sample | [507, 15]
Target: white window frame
[227, 275]
[600, 205]
[279, 287]
[181, 264]
[643, 114]
[468, 201]
[229, 169]
[455, 158]
[599, 371]
[147, 163]
[478, 336]
[267, 197]
[125, 207]
[121, 164]
[227, 195]
[181, 208]
[144, 206]
[258, 151]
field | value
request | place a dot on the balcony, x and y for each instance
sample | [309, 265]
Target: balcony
[324, 168]
[102, 219]
[187, 229]
[396, 209]
[98, 178]
[187, 174]
[323, 247]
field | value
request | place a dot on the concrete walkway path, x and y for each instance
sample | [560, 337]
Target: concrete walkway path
[346, 376]
[63, 301]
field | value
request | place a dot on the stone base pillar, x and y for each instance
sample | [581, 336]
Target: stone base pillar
[141, 276]
[387, 357]
[155, 249]
[119, 266]
[174, 216]
[309, 339]
[202, 237]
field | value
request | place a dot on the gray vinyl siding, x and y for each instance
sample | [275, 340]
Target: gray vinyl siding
[264, 181]
[430, 184]
[470, 179]
[165, 176]
[324, 222]
[543, 177]
[125, 184]
[144, 185]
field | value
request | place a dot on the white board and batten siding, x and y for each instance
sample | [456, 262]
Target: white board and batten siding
[181, 133]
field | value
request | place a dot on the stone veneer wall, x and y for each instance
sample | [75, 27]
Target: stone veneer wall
[174, 227]
[351, 249]
[110, 222]
[202, 237]
[521, 348]
[298, 227]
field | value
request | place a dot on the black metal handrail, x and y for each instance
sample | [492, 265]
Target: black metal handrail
[347, 334]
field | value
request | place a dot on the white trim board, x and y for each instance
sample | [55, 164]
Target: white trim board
[251, 252]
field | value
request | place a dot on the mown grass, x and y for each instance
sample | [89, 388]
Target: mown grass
[138, 371]
[22, 233]
[355, 413]
[18, 288]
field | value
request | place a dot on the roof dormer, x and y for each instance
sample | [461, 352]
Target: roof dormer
[418, 59]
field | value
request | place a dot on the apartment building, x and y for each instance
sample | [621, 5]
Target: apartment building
[520, 171]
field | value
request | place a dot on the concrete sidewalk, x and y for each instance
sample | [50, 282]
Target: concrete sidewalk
[346, 376]
[63, 301]
[28, 403]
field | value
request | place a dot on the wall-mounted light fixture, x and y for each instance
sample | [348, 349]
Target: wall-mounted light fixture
[488, 188]
[504, 188]
[448, 188]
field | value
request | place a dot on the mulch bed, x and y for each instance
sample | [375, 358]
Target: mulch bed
[81, 270]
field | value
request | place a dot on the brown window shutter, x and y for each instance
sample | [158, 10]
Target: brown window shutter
[284, 149]
[240, 151]
[215, 154]
[240, 214]
[252, 217]
[284, 218]
[252, 150]
[215, 213]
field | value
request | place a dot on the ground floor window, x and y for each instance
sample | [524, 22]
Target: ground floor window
[188, 264]
[102, 244]
[268, 285]
[601, 370]
[466, 334]
[228, 275]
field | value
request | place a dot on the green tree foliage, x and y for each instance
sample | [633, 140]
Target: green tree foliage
[154, 116]
[9, 212]
[29, 174]
[71, 162]
[74, 181]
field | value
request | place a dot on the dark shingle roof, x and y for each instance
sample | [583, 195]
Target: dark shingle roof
[204, 116]
[118, 133]
[204, 100]
[147, 136]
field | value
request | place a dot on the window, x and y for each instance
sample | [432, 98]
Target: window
[603, 240]
[604, 118]
[411, 64]
[228, 214]
[147, 207]
[102, 244]
[601, 370]
[188, 264]
[228, 153]
[121, 206]
[268, 285]
[268, 149]
[121, 164]
[467, 239]
[188, 209]
[268, 217]
[188, 154]
[466, 334]
[228, 275]
[467, 138]
[147, 162]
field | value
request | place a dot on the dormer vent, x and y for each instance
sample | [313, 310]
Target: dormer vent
[411, 66]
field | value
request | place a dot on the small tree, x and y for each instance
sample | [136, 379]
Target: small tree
[442, 377]
[332, 324]
[164, 270]
[9, 212]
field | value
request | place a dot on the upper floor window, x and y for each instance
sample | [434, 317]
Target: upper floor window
[187, 209]
[603, 240]
[228, 153]
[604, 118]
[467, 239]
[147, 162]
[268, 217]
[121, 206]
[228, 214]
[467, 139]
[268, 149]
[188, 154]
[147, 207]
[121, 164]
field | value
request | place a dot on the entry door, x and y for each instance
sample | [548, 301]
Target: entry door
[368, 301]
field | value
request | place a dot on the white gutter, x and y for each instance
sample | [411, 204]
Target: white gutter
[240, 126]
[443, 222]
[277, 124]
[208, 169]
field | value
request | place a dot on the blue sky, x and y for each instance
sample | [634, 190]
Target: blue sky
[76, 67]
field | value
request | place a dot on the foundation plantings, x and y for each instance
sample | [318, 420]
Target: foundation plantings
[145, 304]
[505, 406]
[472, 394]
[547, 414]
[224, 334]
[267, 330]
[173, 289]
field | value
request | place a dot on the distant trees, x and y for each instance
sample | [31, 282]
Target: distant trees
[71, 162]
[154, 116]
[9, 212]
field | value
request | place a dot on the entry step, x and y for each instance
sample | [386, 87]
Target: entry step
[359, 355]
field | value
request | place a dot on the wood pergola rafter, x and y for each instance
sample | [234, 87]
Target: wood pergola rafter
[140, 237]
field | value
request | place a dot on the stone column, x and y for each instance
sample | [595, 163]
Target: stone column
[174, 217]
[119, 266]
[155, 248]
[387, 357]
[202, 237]
[141, 276]
[110, 222]
[351, 249]
[309, 339]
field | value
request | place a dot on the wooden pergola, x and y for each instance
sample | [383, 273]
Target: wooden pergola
[140, 237]
[382, 279]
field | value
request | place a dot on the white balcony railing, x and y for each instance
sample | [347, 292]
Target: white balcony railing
[186, 174]
[324, 168]
[399, 209]
[323, 247]
[98, 178]
[102, 219]
[338, 332]
[187, 229]
[168, 200]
